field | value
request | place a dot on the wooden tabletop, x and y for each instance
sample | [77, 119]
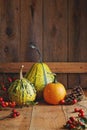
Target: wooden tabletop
[38, 117]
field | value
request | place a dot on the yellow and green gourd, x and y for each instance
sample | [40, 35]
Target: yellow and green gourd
[40, 75]
[22, 90]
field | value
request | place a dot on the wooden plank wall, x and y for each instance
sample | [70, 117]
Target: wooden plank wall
[77, 44]
[58, 27]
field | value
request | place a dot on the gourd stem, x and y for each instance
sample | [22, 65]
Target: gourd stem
[21, 74]
[55, 78]
[33, 46]
[40, 59]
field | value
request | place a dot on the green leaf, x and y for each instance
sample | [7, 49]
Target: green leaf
[28, 103]
[84, 120]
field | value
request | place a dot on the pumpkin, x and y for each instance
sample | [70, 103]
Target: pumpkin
[22, 91]
[54, 92]
[40, 75]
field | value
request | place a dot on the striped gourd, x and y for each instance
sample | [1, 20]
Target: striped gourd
[40, 75]
[22, 91]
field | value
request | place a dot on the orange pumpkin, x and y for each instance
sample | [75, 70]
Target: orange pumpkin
[54, 92]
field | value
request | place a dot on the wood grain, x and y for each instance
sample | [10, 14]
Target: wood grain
[46, 117]
[55, 32]
[77, 38]
[31, 29]
[56, 67]
[9, 31]
[22, 122]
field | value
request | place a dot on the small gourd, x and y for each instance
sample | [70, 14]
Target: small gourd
[21, 90]
[40, 75]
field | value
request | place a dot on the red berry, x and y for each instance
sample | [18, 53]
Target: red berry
[62, 101]
[74, 101]
[12, 104]
[6, 103]
[76, 110]
[9, 103]
[17, 114]
[72, 118]
[3, 104]
[14, 115]
[4, 89]
[81, 114]
[14, 111]
[69, 122]
[1, 99]
[81, 111]
[72, 126]
[10, 79]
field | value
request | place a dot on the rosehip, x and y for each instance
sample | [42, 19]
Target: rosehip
[72, 126]
[69, 122]
[6, 103]
[72, 118]
[17, 114]
[62, 101]
[3, 104]
[10, 79]
[81, 114]
[14, 111]
[81, 111]
[76, 110]
[12, 104]
[14, 115]
[74, 101]
[4, 88]
[1, 99]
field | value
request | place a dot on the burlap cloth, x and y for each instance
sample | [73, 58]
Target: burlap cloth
[69, 109]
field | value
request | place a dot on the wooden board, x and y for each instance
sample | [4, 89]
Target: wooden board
[31, 29]
[9, 31]
[22, 122]
[77, 48]
[55, 32]
[56, 67]
[46, 117]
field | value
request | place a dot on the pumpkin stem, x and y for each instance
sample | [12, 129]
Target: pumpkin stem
[21, 74]
[33, 46]
[55, 78]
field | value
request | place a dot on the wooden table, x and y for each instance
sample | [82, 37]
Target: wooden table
[38, 117]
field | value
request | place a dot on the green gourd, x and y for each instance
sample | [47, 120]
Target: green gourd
[22, 90]
[40, 75]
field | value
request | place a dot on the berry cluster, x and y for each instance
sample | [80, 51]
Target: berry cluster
[4, 85]
[64, 102]
[77, 123]
[4, 104]
[14, 113]
[75, 96]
